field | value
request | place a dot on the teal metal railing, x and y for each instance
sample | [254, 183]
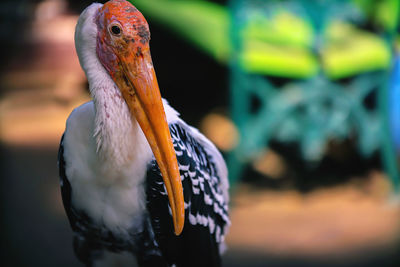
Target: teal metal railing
[314, 105]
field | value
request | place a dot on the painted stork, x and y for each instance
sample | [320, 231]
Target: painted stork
[138, 184]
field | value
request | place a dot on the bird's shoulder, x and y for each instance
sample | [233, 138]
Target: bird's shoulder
[80, 121]
[79, 146]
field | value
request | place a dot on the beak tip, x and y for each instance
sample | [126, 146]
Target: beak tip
[178, 224]
[178, 231]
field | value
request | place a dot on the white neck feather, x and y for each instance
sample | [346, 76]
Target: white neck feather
[118, 135]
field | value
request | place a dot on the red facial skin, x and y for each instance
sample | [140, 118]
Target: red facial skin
[134, 36]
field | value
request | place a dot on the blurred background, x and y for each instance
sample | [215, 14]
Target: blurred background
[302, 97]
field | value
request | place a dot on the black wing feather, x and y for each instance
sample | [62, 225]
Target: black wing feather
[198, 245]
[64, 183]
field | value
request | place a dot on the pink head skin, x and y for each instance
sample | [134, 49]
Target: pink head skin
[122, 30]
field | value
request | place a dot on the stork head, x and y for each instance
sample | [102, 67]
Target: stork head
[122, 47]
[123, 39]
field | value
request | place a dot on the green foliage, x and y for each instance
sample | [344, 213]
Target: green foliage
[279, 44]
[204, 23]
[384, 13]
[281, 28]
[349, 51]
[277, 60]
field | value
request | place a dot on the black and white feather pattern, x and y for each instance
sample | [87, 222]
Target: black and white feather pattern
[206, 203]
[204, 179]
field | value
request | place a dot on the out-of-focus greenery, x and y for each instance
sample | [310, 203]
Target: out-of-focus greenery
[283, 28]
[275, 50]
[281, 61]
[281, 44]
[349, 51]
[204, 23]
[385, 13]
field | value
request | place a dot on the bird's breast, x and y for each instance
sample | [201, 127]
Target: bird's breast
[116, 207]
[111, 194]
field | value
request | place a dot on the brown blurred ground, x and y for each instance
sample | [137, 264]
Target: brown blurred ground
[353, 224]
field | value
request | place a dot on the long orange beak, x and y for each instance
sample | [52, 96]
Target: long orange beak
[139, 87]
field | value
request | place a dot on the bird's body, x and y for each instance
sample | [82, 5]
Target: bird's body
[118, 198]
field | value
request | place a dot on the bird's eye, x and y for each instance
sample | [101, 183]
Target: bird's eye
[115, 30]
